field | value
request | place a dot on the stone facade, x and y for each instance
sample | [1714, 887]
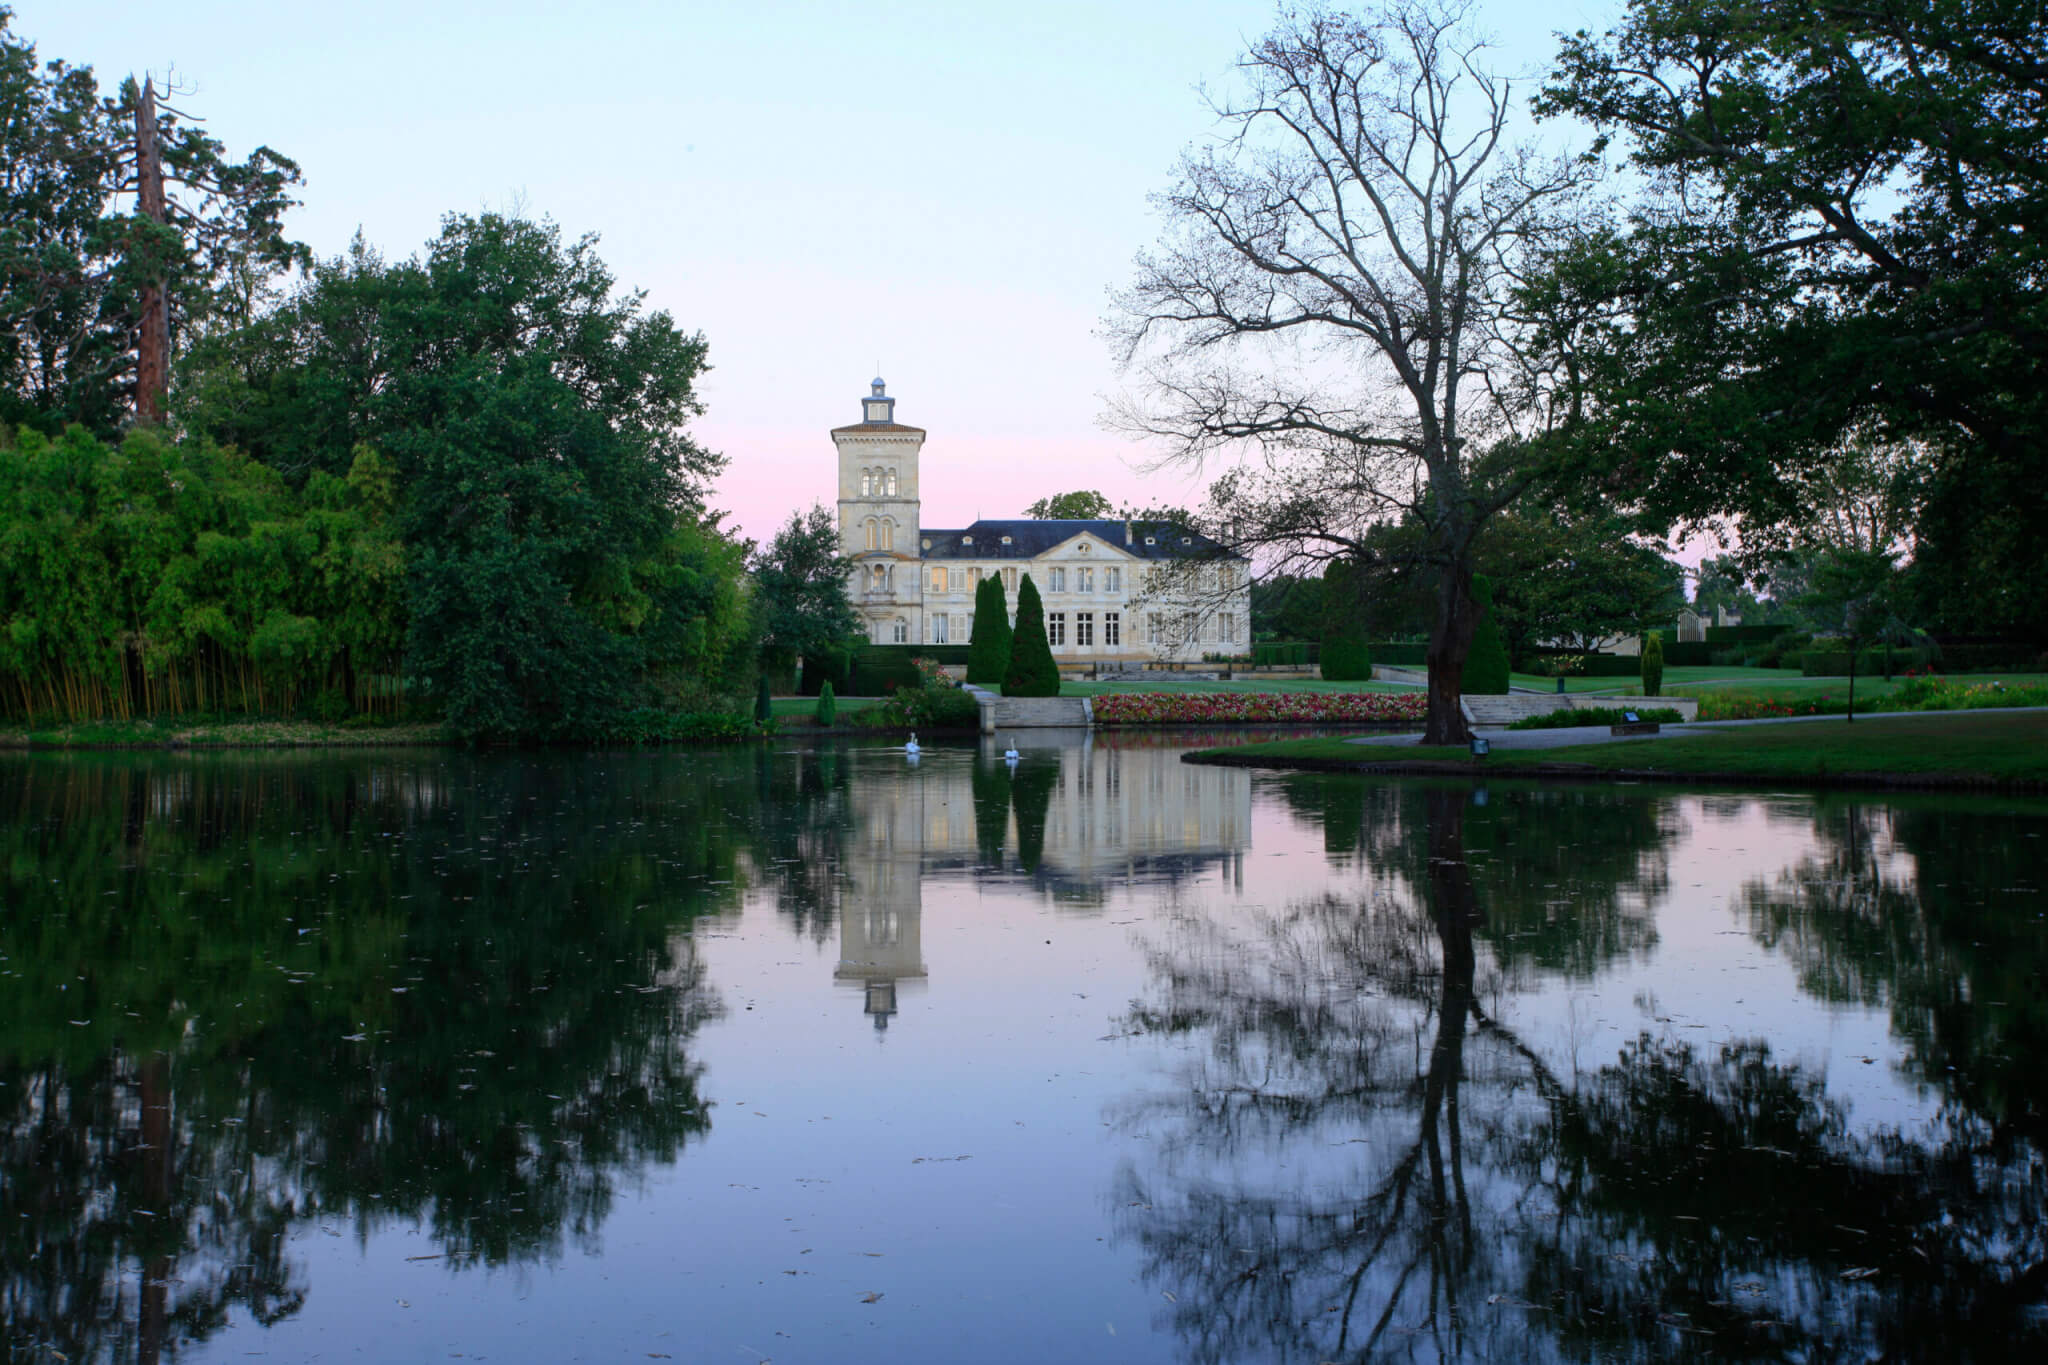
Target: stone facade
[1115, 592]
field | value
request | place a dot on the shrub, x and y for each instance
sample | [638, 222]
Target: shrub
[988, 648]
[828, 705]
[1653, 666]
[1346, 658]
[1574, 717]
[764, 705]
[1486, 666]
[1032, 672]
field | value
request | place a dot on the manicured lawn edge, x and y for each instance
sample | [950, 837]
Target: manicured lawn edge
[2002, 753]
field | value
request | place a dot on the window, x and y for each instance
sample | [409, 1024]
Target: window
[1226, 628]
[938, 580]
[1155, 628]
[1006, 540]
[1056, 580]
[1010, 580]
[901, 633]
[1112, 630]
[974, 578]
[1056, 628]
[1112, 580]
[1083, 548]
[892, 483]
[1084, 629]
[874, 529]
[867, 482]
[888, 533]
[1084, 580]
[940, 635]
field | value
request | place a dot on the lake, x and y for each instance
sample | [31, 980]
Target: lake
[808, 1053]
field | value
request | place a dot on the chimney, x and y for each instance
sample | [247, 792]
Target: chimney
[1127, 530]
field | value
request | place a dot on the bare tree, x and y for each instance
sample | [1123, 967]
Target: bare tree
[1333, 307]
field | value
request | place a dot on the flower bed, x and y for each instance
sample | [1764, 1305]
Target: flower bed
[1918, 693]
[1259, 708]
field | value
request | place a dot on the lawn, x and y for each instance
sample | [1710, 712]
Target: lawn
[1958, 746]
[1280, 684]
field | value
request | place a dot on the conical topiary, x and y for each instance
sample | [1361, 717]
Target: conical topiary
[1653, 665]
[988, 648]
[828, 705]
[1032, 672]
[764, 705]
[1486, 665]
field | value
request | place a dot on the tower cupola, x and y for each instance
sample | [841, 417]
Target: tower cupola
[878, 407]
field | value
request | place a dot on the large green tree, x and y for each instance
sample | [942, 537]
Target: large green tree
[800, 592]
[988, 647]
[1081, 505]
[1574, 581]
[1032, 671]
[80, 258]
[1844, 233]
[559, 553]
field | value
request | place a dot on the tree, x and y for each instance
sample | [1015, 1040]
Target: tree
[560, 564]
[1854, 591]
[1082, 505]
[1334, 305]
[988, 645]
[1573, 581]
[1845, 234]
[1032, 672]
[119, 215]
[1653, 665]
[800, 592]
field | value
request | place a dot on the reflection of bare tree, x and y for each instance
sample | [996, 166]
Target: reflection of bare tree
[1361, 1161]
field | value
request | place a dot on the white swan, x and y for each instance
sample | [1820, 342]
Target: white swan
[1010, 755]
[911, 748]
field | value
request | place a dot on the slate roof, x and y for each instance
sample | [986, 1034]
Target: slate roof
[885, 428]
[1030, 538]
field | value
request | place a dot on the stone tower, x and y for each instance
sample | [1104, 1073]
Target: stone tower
[878, 518]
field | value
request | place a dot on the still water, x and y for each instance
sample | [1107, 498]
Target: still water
[808, 1054]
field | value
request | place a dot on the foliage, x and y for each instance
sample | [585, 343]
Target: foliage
[1333, 305]
[164, 576]
[1928, 692]
[1486, 667]
[800, 601]
[76, 253]
[828, 705]
[1287, 606]
[988, 644]
[1653, 666]
[764, 704]
[1032, 672]
[1573, 581]
[1347, 658]
[560, 565]
[1252, 708]
[1844, 243]
[1082, 505]
[1578, 717]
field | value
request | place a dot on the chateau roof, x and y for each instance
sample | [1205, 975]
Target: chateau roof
[1030, 537]
[881, 428]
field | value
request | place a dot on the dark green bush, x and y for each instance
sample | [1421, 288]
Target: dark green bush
[1346, 658]
[764, 705]
[828, 706]
[988, 648]
[1486, 666]
[1573, 718]
[1653, 666]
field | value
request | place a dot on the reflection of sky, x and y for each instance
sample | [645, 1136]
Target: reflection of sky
[962, 1165]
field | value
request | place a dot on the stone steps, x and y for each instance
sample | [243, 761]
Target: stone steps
[1031, 713]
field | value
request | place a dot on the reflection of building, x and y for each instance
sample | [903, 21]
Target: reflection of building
[1081, 816]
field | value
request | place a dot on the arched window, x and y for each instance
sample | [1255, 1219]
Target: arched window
[867, 482]
[892, 482]
[888, 533]
[874, 533]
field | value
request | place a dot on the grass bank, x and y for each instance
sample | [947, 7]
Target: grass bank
[185, 732]
[1958, 749]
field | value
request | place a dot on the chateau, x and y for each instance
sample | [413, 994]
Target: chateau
[1115, 592]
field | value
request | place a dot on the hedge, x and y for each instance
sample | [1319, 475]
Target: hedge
[878, 670]
[1834, 663]
[1583, 665]
[1284, 652]
[1744, 635]
[1975, 658]
[1400, 653]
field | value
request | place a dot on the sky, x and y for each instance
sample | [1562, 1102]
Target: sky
[946, 192]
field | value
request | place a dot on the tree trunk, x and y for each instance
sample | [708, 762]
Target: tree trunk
[1449, 643]
[153, 332]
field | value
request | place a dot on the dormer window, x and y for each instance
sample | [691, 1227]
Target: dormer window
[967, 540]
[1006, 540]
[1149, 540]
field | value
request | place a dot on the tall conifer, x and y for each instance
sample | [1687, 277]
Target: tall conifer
[988, 648]
[1032, 672]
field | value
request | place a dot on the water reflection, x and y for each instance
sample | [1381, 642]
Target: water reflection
[243, 996]
[1365, 1158]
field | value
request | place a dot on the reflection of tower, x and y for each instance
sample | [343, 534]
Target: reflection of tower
[880, 921]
